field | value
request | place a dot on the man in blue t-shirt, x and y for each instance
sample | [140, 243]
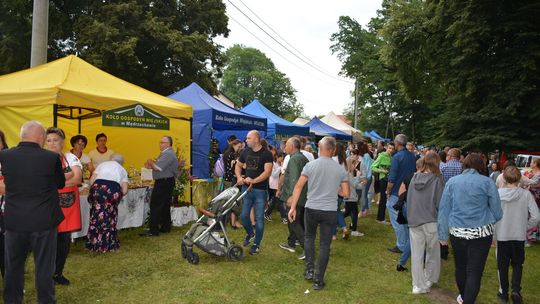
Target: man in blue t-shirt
[257, 162]
[403, 165]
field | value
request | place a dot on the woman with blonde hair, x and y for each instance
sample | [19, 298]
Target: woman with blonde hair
[69, 200]
[423, 198]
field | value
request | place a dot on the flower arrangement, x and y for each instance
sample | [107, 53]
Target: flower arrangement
[213, 154]
[182, 180]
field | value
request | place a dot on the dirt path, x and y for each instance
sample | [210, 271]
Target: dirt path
[442, 296]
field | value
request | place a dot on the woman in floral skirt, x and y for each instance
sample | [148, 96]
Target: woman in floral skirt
[109, 185]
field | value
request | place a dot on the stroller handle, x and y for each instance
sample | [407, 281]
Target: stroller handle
[248, 189]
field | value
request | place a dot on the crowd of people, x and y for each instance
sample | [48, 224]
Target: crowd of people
[433, 197]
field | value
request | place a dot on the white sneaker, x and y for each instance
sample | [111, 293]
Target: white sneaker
[357, 233]
[459, 299]
[429, 284]
[383, 222]
[418, 290]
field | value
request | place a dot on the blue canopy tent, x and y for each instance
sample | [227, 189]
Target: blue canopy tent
[369, 135]
[374, 136]
[377, 136]
[278, 128]
[211, 115]
[320, 128]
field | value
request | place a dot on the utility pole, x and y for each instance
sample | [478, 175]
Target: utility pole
[40, 26]
[355, 118]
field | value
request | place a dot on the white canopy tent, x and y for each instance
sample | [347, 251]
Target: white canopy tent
[300, 121]
[334, 121]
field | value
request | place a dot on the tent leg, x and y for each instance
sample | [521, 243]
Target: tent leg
[191, 159]
[79, 130]
[55, 115]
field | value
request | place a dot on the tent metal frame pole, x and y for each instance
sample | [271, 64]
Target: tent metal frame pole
[191, 159]
[55, 115]
[80, 121]
[355, 118]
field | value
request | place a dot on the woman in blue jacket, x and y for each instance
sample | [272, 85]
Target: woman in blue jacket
[470, 206]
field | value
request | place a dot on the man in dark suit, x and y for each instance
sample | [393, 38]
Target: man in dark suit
[164, 172]
[32, 176]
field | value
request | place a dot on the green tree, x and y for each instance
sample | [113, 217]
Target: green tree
[249, 75]
[406, 53]
[160, 45]
[15, 35]
[458, 73]
[485, 56]
[381, 105]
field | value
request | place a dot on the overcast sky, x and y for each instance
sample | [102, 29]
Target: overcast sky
[307, 26]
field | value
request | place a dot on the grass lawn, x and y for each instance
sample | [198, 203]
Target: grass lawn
[361, 270]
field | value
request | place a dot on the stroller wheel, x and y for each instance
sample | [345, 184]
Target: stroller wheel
[191, 257]
[235, 253]
[184, 251]
[194, 258]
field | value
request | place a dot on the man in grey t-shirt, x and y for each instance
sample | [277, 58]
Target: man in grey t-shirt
[326, 179]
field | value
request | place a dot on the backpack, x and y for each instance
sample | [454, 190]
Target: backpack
[219, 167]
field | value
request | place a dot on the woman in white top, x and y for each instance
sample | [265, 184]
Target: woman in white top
[273, 183]
[69, 200]
[109, 183]
[78, 144]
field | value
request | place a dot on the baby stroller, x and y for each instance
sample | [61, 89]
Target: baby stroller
[209, 232]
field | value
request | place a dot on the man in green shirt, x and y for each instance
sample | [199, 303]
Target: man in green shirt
[382, 166]
[294, 168]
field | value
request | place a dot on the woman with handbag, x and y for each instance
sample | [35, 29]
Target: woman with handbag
[423, 198]
[401, 208]
[68, 198]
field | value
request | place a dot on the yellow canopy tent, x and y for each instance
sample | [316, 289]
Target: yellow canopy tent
[72, 94]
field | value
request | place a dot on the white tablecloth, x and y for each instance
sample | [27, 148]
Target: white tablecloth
[183, 215]
[133, 210]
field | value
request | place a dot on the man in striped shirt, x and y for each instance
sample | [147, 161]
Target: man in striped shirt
[452, 167]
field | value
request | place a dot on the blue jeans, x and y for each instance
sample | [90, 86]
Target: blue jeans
[406, 249]
[401, 231]
[365, 193]
[406, 252]
[256, 198]
[340, 217]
